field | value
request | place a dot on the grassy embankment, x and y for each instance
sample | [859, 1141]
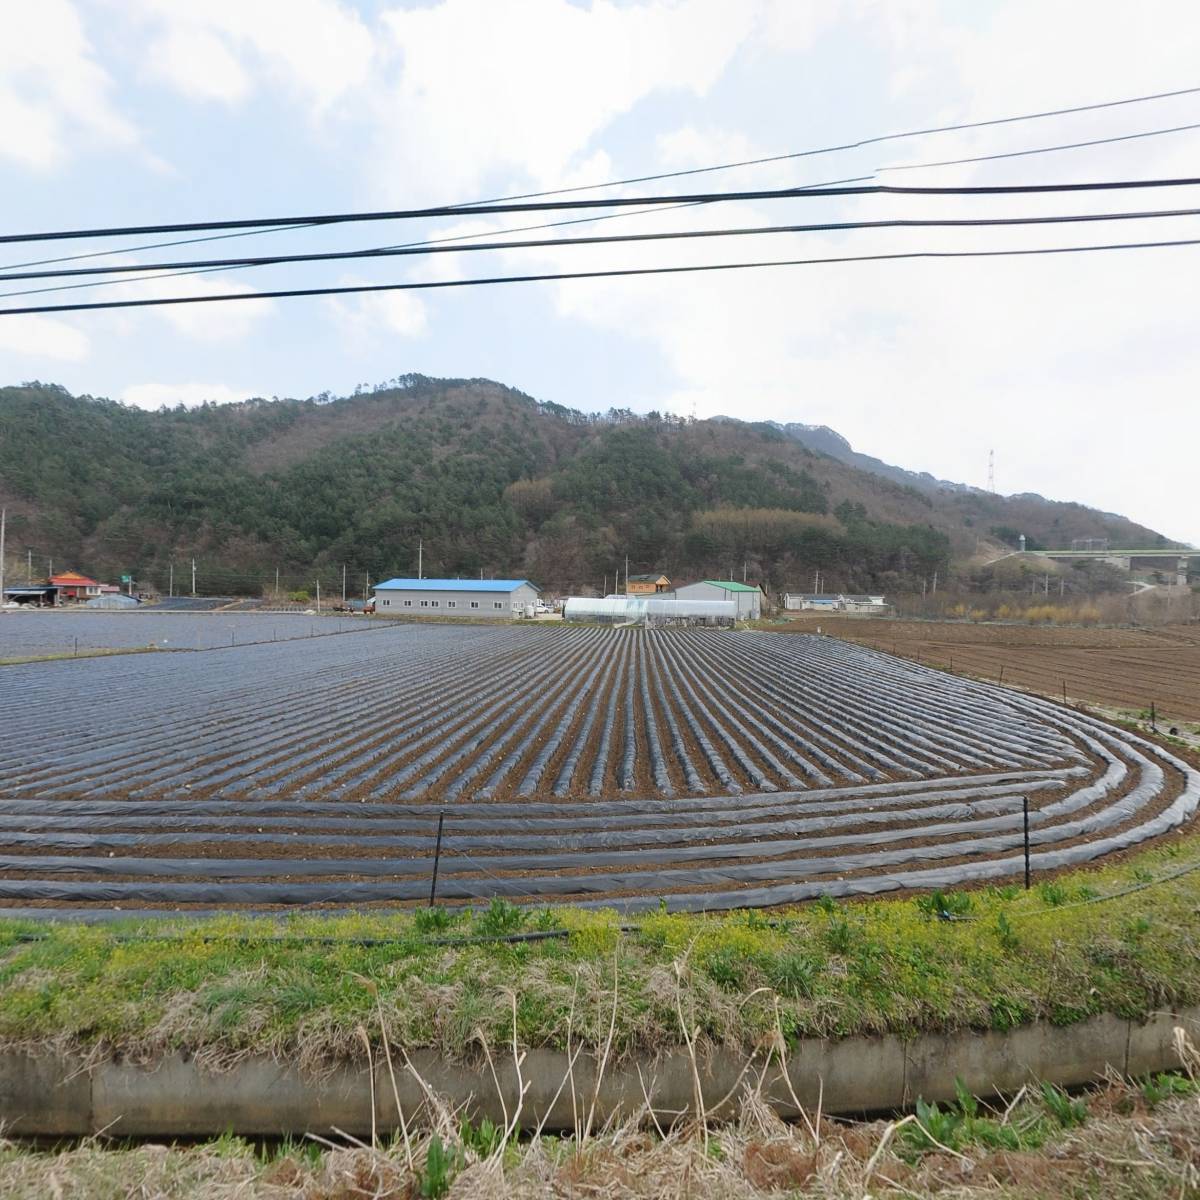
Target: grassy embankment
[68, 654]
[305, 988]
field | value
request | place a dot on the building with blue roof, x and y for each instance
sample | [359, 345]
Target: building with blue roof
[505, 598]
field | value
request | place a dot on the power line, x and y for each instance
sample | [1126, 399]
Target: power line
[871, 141]
[238, 264]
[1105, 141]
[610, 274]
[219, 237]
[203, 265]
[705, 170]
[796, 193]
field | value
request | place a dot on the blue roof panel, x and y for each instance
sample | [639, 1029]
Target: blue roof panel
[454, 585]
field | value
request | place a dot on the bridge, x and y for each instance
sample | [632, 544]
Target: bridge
[1126, 560]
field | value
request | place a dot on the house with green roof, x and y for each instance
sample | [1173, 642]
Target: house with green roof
[748, 596]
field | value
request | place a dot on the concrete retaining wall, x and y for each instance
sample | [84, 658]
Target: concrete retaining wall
[49, 1095]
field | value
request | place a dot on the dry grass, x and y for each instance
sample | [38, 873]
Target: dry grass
[1126, 1150]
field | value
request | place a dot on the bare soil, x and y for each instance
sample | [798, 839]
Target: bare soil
[1126, 668]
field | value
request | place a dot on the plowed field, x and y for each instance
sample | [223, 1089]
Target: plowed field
[597, 766]
[1126, 668]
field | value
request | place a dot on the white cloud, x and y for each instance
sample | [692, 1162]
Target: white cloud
[167, 395]
[32, 336]
[367, 317]
[317, 49]
[54, 97]
[199, 65]
[521, 87]
[205, 320]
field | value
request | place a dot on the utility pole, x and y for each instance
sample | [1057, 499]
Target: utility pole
[935, 583]
[193, 576]
[29, 566]
[816, 578]
[992, 471]
[171, 578]
[3, 519]
[743, 570]
[276, 583]
[318, 595]
[343, 585]
[420, 558]
[627, 574]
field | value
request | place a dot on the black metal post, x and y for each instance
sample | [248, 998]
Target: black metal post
[1153, 718]
[1025, 811]
[437, 854]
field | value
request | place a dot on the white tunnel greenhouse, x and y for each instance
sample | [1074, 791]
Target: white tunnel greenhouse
[649, 610]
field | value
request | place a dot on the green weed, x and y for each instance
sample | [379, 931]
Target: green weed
[938, 904]
[1067, 1112]
[840, 935]
[433, 920]
[441, 1166]
[1005, 933]
[792, 975]
[483, 1139]
[500, 919]
[1164, 1086]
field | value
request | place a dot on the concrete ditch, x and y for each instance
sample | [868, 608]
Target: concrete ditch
[43, 1094]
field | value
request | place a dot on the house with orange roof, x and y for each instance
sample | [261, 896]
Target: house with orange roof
[73, 586]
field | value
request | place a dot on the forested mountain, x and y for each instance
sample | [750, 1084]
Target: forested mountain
[490, 479]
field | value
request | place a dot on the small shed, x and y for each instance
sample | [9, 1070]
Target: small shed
[646, 585]
[746, 596]
[33, 595]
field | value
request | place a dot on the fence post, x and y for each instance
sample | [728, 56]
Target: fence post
[1025, 812]
[437, 854]
[1153, 718]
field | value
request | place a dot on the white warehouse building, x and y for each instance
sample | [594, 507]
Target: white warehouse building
[746, 597]
[455, 597]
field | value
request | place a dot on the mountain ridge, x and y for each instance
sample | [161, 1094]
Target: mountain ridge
[490, 479]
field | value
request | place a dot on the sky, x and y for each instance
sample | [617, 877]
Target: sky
[1080, 371]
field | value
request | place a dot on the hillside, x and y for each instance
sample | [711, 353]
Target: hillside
[491, 479]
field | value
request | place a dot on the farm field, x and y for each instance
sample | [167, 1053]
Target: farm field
[591, 766]
[25, 634]
[1125, 668]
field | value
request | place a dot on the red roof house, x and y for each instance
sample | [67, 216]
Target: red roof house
[73, 586]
